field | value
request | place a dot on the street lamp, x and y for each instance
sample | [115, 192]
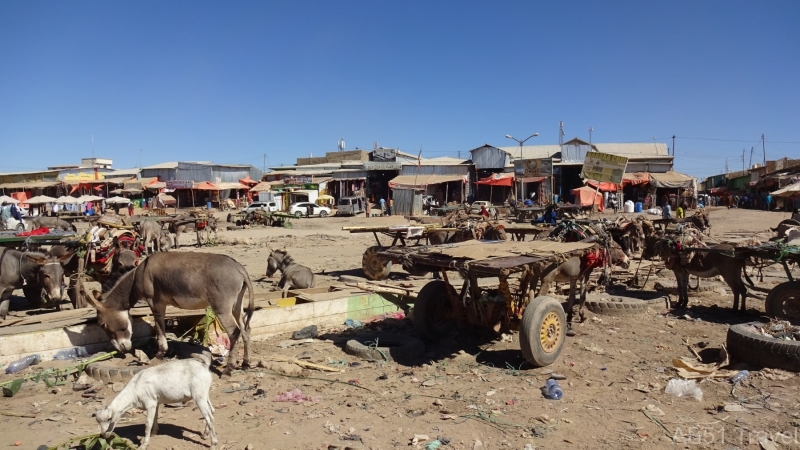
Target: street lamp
[508, 136]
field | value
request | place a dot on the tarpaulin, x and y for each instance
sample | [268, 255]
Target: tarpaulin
[43, 231]
[635, 178]
[421, 181]
[671, 180]
[498, 179]
[584, 196]
[604, 185]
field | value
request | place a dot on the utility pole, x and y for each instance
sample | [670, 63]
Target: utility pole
[673, 145]
[743, 160]
[726, 165]
[590, 135]
[751, 156]
[140, 158]
[764, 148]
[265, 163]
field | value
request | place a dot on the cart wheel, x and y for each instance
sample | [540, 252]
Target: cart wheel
[783, 302]
[35, 296]
[287, 224]
[433, 314]
[20, 227]
[375, 267]
[543, 331]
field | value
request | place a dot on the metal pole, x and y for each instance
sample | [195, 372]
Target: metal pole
[673, 145]
[764, 148]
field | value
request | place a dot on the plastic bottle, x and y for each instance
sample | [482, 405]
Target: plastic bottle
[20, 364]
[71, 353]
[554, 390]
[739, 377]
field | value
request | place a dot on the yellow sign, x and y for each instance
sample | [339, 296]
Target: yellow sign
[83, 176]
[604, 167]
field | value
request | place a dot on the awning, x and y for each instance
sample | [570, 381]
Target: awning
[717, 190]
[117, 180]
[264, 186]
[156, 185]
[230, 185]
[414, 181]
[204, 186]
[635, 178]
[585, 195]
[167, 199]
[29, 185]
[671, 180]
[498, 179]
[248, 181]
[532, 179]
[605, 186]
[140, 183]
[789, 191]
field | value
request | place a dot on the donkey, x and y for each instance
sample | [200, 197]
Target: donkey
[18, 268]
[702, 265]
[186, 224]
[151, 232]
[184, 280]
[53, 223]
[293, 275]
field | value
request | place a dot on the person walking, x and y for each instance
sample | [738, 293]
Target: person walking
[383, 206]
[391, 204]
[768, 202]
[368, 207]
[130, 209]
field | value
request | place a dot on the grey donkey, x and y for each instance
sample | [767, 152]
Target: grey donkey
[293, 275]
[151, 232]
[184, 280]
[18, 269]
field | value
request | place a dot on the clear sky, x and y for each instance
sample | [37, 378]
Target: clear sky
[231, 81]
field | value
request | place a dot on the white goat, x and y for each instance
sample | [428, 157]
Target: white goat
[171, 382]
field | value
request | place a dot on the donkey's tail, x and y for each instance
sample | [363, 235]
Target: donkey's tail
[752, 285]
[252, 306]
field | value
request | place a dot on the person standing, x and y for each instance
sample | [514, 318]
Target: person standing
[391, 204]
[666, 211]
[382, 203]
[130, 209]
[367, 207]
[768, 202]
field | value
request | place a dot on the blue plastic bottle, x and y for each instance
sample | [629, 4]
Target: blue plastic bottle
[554, 390]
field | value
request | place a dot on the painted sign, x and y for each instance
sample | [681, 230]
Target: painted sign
[541, 167]
[377, 165]
[297, 180]
[604, 167]
[179, 184]
[384, 154]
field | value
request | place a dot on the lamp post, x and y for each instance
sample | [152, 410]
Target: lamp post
[508, 136]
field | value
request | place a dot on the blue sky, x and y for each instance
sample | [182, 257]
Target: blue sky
[230, 81]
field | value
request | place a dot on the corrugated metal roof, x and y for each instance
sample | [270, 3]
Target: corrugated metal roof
[440, 161]
[30, 185]
[164, 165]
[532, 151]
[125, 172]
[634, 149]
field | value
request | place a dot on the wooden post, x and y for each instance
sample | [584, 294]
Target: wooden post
[80, 301]
[594, 200]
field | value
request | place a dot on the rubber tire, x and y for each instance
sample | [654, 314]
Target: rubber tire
[20, 227]
[529, 331]
[375, 268]
[323, 214]
[762, 350]
[774, 304]
[230, 218]
[789, 222]
[394, 346]
[298, 214]
[34, 296]
[431, 309]
[108, 374]
[238, 222]
[623, 308]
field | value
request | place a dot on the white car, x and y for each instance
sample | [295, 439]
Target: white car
[265, 206]
[476, 207]
[301, 209]
[16, 225]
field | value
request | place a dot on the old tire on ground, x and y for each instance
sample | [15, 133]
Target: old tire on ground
[433, 313]
[384, 347]
[110, 374]
[35, 296]
[783, 302]
[745, 345]
[543, 331]
[618, 307]
[375, 267]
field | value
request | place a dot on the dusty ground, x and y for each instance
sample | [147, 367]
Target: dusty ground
[468, 388]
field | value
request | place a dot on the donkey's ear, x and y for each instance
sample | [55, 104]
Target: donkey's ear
[94, 299]
[64, 259]
[40, 260]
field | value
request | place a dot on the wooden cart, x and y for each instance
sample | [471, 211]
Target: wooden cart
[519, 232]
[783, 301]
[377, 268]
[509, 305]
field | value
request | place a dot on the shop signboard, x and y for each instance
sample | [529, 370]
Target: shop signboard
[604, 167]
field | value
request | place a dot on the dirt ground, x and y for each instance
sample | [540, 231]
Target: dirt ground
[472, 390]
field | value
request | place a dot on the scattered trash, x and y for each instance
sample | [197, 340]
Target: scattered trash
[141, 356]
[739, 377]
[594, 349]
[23, 363]
[355, 324]
[506, 338]
[734, 407]
[433, 445]
[684, 388]
[554, 391]
[71, 353]
[419, 438]
[310, 331]
[654, 409]
[557, 376]
[12, 388]
[295, 396]
[691, 369]
[779, 329]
